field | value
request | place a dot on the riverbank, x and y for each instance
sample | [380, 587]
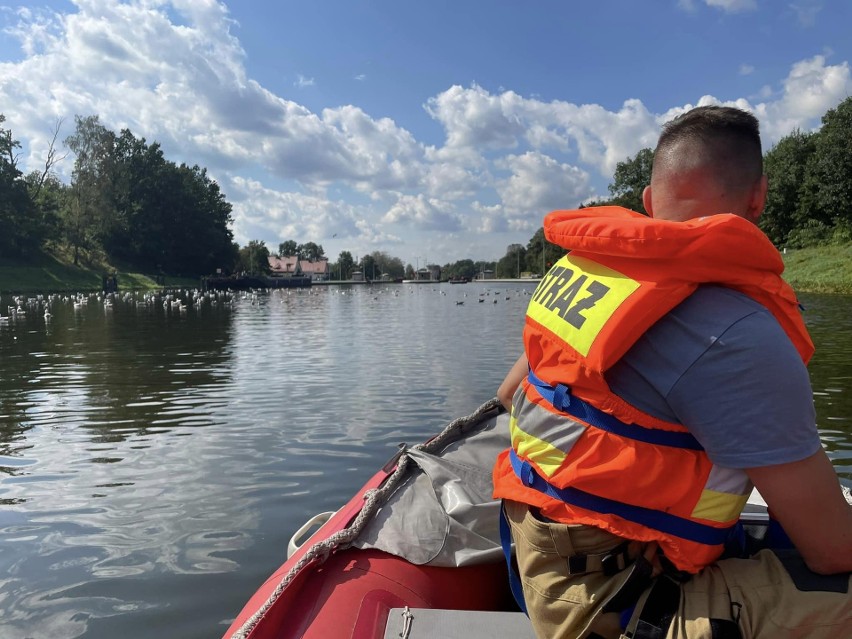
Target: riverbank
[49, 275]
[821, 269]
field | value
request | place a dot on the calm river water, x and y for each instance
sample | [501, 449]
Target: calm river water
[154, 460]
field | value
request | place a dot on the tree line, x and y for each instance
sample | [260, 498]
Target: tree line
[126, 204]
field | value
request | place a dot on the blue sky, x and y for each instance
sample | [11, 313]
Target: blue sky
[430, 130]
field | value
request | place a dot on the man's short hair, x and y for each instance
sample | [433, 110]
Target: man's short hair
[728, 137]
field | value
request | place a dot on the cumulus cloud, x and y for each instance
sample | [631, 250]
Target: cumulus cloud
[424, 213]
[728, 6]
[540, 183]
[809, 90]
[475, 118]
[733, 6]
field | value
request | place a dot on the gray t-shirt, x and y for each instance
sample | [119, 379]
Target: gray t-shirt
[720, 364]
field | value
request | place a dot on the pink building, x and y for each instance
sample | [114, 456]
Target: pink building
[291, 265]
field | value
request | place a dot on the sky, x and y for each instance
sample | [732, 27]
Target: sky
[433, 131]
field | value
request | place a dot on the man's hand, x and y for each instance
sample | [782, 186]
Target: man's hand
[513, 379]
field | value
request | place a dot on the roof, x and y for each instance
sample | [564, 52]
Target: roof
[287, 264]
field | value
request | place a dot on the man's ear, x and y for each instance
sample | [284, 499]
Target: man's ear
[758, 199]
[646, 200]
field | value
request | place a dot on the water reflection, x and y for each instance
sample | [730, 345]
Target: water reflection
[829, 319]
[156, 452]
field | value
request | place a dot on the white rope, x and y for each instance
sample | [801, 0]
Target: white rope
[373, 500]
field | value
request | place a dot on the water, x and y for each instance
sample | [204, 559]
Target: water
[154, 461]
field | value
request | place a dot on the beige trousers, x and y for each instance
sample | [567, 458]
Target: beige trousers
[758, 594]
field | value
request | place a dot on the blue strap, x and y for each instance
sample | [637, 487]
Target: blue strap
[648, 517]
[561, 398]
[514, 578]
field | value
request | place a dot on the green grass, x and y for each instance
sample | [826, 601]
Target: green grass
[46, 274]
[820, 269]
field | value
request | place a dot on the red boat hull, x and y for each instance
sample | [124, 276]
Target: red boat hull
[349, 595]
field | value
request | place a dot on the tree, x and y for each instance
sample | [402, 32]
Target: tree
[254, 258]
[310, 251]
[827, 190]
[509, 266]
[344, 266]
[379, 263]
[785, 166]
[630, 179]
[90, 210]
[287, 249]
[460, 269]
[370, 268]
[541, 254]
[49, 195]
[17, 211]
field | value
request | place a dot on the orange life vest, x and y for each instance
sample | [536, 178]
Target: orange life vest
[579, 452]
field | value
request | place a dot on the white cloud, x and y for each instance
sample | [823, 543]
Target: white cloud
[728, 6]
[302, 81]
[424, 213]
[746, 69]
[806, 12]
[733, 6]
[475, 118]
[539, 183]
[809, 90]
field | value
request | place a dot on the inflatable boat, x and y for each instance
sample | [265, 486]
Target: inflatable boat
[415, 553]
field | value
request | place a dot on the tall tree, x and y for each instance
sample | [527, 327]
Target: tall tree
[288, 248]
[311, 251]
[541, 254]
[511, 264]
[630, 179]
[91, 208]
[827, 190]
[343, 268]
[785, 166]
[254, 258]
[17, 211]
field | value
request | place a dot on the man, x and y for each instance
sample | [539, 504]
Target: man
[663, 375]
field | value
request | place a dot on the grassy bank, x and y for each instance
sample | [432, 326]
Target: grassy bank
[820, 269]
[47, 274]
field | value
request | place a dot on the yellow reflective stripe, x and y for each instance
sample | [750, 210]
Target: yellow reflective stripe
[546, 457]
[718, 506]
[576, 298]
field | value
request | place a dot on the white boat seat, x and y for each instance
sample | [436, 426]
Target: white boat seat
[427, 623]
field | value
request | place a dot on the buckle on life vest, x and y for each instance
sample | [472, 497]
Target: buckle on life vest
[561, 397]
[527, 474]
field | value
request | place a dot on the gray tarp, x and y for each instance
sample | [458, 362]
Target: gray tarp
[443, 514]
